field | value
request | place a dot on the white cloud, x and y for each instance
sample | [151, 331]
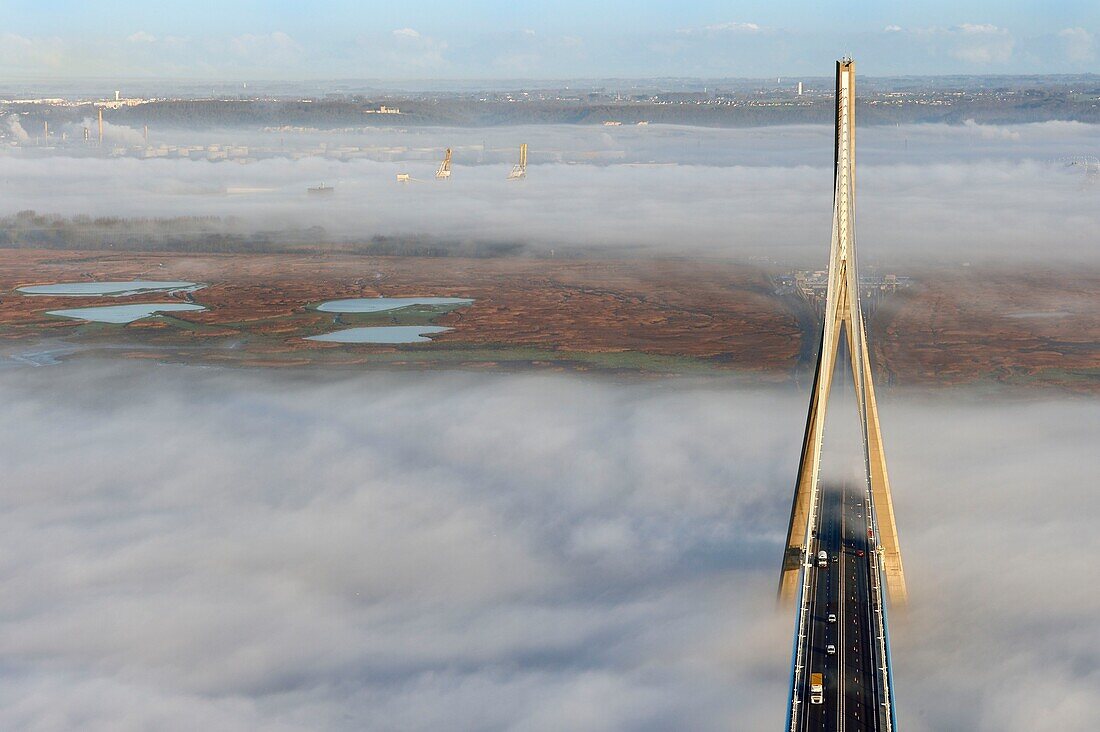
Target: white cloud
[1078, 43]
[981, 29]
[733, 27]
[31, 54]
[174, 42]
[15, 42]
[517, 62]
[272, 48]
[141, 37]
[982, 44]
[418, 51]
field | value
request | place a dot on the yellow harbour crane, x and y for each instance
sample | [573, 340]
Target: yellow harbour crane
[519, 170]
[444, 171]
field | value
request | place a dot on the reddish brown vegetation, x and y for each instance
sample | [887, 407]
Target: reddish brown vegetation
[952, 326]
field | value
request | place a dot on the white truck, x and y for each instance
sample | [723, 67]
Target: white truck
[817, 688]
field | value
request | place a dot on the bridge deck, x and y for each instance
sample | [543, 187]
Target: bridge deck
[854, 685]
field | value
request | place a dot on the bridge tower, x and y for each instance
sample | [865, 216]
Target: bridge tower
[842, 314]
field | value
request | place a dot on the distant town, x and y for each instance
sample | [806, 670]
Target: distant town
[36, 115]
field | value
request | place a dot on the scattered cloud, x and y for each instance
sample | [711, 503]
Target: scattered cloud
[271, 48]
[417, 52]
[721, 28]
[517, 63]
[141, 37]
[982, 44]
[701, 50]
[31, 54]
[174, 42]
[981, 29]
[733, 27]
[1078, 43]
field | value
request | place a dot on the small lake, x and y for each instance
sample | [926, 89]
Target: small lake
[379, 304]
[382, 334]
[123, 313]
[115, 289]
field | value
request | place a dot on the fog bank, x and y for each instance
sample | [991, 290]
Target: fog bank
[927, 193]
[192, 548]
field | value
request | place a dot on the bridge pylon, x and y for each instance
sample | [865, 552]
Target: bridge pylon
[842, 315]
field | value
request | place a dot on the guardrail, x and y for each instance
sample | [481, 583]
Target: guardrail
[884, 679]
[799, 649]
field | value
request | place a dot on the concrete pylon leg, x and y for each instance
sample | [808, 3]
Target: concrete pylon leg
[880, 493]
[806, 486]
[842, 312]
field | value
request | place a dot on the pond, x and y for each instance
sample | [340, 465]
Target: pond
[379, 304]
[123, 313]
[382, 334]
[114, 289]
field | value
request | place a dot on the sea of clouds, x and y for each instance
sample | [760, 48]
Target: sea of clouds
[185, 548]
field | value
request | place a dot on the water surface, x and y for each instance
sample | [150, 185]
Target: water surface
[379, 304]
[116, 289]
[123, 313]
[382, 334]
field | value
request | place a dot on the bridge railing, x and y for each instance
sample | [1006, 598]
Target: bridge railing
[884, 680]
[798, 652]
[799, 646]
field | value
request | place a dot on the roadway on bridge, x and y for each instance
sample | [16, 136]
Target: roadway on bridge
[842, 615]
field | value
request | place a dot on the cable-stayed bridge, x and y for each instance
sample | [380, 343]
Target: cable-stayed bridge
[842, 557]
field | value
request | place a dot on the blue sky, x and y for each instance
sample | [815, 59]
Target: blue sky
[496, 39]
